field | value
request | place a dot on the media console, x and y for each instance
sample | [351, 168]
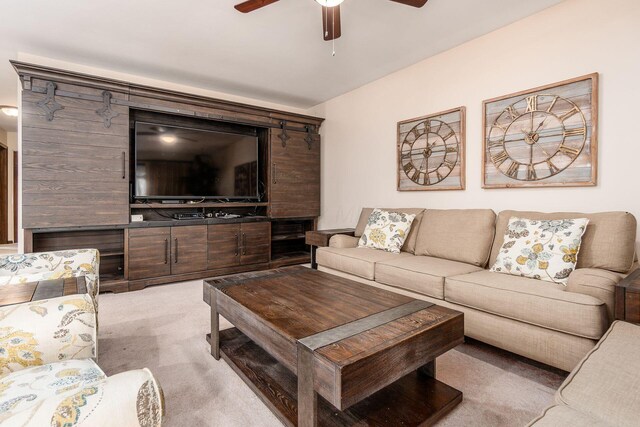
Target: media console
[78, 175]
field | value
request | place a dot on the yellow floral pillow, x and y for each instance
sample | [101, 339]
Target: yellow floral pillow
[541, 249]
[386, 231]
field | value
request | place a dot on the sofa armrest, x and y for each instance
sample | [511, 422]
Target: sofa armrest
[132, 398]
[30, 267]
[597, 283]
[46, 331]
[343, 241]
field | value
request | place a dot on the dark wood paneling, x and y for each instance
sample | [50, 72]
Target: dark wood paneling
[73, 137]
[16, 198]
[82, 125]
[4, 194]
[255, 242]
[105, 241]
[223, 245]
[110, 166]
[149, 253]
[188, 249]
[294, 176]
[61, 215]
[141, 284]
[74, 165]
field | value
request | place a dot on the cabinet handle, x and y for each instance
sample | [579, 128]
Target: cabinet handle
[124, 165]
[244, 244]
[175, 241]
[166, 251]
[237, 245]
[275, 171]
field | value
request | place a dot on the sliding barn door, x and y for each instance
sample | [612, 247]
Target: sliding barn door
[294, 175]
[75, 163]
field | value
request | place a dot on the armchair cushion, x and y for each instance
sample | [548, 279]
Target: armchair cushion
[29, 387]
[23, 268]
[76, 393]
[46, 331]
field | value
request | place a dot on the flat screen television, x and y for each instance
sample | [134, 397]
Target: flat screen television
[173, 163]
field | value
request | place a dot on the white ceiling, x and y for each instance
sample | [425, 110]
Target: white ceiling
[275, 54]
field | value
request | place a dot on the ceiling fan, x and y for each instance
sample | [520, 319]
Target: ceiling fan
[330, 12]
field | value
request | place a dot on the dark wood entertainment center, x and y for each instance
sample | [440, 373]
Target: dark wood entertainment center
[78, 170]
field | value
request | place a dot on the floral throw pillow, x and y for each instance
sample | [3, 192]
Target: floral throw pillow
[541, 249]
[386, 230]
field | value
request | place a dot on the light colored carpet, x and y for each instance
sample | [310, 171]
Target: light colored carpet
[163, 328]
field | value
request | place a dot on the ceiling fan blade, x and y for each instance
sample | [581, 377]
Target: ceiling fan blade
[414, 3]
[251, 5]
[331, 22]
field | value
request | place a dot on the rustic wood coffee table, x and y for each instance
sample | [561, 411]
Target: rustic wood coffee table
[369, 353]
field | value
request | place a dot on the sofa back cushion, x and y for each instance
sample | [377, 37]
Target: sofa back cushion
[608, 243]
[410, 242]
[463, 235]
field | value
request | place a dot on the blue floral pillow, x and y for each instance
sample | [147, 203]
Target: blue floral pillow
[386, 230]
[541, 249]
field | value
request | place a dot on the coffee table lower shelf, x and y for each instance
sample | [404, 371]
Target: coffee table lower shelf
[413, 400]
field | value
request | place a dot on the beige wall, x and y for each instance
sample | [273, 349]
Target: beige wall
[571, 39]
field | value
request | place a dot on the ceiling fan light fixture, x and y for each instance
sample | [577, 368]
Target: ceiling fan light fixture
[329, 3]
[9, 110]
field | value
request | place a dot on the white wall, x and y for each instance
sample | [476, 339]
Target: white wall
[571, 39]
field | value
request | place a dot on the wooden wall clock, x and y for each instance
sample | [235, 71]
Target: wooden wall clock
[542, 137]
[431, 152]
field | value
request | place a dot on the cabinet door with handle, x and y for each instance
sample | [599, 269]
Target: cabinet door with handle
[149, 252]
[294, 189]
[255, 245]
[188, 249]
[223, 246]
[75, 162]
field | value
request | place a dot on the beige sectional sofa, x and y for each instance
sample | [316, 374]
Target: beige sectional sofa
[603, 389]
[445, 260]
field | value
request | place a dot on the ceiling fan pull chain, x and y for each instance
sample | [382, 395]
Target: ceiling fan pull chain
[333, 27]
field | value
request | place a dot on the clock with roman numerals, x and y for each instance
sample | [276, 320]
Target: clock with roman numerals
[431, 152]
[542, 137]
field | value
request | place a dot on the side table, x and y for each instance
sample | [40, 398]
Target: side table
[320, 239]
[628, 298]
[44, 289]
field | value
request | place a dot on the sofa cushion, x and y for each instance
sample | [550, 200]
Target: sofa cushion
[410, 242]
[605, 384]
[530, 301]
[460, 235]
[608, 242]
[421, 274]
[561, 416]
[357, 261]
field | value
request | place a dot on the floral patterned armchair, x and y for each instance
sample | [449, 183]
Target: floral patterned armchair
[47, 372]
[21, 268]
